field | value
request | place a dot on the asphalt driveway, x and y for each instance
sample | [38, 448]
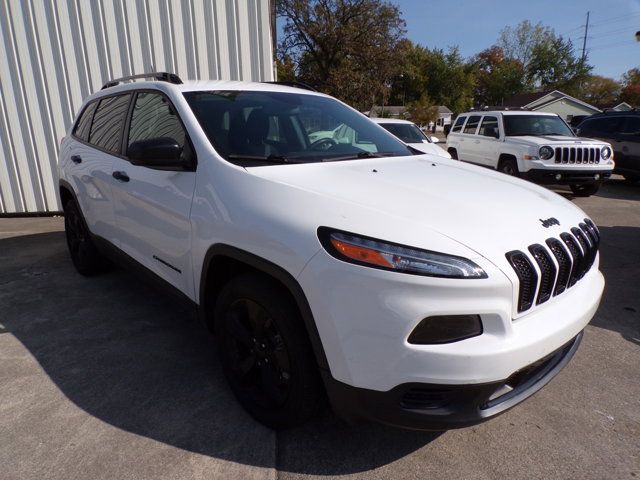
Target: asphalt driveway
[108, 378]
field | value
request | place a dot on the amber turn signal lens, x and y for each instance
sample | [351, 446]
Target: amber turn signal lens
[360, 254]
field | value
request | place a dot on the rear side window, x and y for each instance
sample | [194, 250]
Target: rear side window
[489, 127]
[472, 124]
[83, 125]
[106, 130]
[458, 126]
[154, 117]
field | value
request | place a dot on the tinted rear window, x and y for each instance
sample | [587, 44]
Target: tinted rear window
[106, 130]
[83, 125]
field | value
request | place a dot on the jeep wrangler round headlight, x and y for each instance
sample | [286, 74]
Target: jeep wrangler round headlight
[605, 153]
[369, 252]
[545, 152]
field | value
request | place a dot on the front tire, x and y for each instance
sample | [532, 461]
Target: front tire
[585, 190]
[84, 254]
[265, 352]
[509, 167]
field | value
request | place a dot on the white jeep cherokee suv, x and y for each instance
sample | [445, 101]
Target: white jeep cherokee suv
[411, 289]
[537, 146]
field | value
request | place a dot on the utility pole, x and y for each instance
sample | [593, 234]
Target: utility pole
[584, 40]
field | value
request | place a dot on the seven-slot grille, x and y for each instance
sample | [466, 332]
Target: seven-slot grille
[574, 254]
[577, 155]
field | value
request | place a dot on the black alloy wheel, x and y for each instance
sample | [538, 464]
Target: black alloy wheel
[84, 255]
[265, 351]
[257, 355]
[509, 167]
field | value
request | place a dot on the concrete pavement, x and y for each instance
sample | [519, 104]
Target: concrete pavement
[108, 378]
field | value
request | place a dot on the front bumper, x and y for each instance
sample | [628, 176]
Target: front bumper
[567, 177]
[441, 407]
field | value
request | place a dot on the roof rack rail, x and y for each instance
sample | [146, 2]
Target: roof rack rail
[159, 76]
[295, 85]
[501, 108]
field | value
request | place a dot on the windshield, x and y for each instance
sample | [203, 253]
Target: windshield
[277, 127]
[407, 132]
[537, 125]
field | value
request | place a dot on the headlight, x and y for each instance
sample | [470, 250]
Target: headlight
[605, 153]
[369, 252]
[545, 152]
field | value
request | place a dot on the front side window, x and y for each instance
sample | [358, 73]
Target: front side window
[106, 129]
[407, 132]
[489, 127]
[540, 125]
[472, 124]
[83, 125]
[458, 126]
[154, 117]
[279, 127]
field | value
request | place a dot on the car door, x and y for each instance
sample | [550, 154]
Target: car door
[488, 136]
[468, 140]
[152, 205]
[97, 141]
[629, 145]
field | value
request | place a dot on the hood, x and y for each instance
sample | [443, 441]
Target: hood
[403, 197]
[427, 147]
[553, 139]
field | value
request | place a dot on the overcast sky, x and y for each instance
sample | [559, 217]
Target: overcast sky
[474, 25]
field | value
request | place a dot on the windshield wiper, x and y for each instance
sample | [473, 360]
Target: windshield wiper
[359, 155]
[261, 158]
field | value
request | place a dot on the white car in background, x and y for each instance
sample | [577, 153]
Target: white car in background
[411, 134]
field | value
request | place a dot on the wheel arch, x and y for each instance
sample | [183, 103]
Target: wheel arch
[505, 157]
[222, 262]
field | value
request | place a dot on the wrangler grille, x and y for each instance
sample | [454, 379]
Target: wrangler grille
[577, 155]
[574, 254]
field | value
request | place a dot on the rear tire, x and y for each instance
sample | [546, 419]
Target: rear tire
[508, 166]
[265, 352]
[585, 190]
[454, 153]
[84, 254]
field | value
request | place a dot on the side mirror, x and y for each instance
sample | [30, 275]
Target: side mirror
[434, 139]
[161, 152]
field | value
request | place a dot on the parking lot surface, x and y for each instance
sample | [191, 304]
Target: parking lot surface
[107, 378]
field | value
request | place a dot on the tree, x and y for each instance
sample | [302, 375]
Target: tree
[554, 65]
[497, 77]
[520, 41]
[549, 61]
[346, 48]
[422, 111]
[443, 76]
[631, 90]
[600, 91]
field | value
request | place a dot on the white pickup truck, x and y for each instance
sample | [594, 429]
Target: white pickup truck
[536, 146]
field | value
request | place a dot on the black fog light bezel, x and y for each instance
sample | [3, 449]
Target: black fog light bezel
[441, 329]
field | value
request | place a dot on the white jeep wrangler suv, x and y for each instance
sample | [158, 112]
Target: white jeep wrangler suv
[411, 289]
[537, 146]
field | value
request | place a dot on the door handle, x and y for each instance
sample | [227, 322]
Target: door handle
[122, 176]
[76, 158]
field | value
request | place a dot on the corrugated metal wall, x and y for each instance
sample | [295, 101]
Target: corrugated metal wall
[53, 53]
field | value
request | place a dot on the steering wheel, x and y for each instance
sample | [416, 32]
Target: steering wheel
[323, 144]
